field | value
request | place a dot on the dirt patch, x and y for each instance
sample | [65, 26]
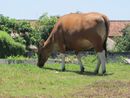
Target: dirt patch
[105, 89]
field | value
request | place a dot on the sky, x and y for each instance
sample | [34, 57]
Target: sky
[33, 9]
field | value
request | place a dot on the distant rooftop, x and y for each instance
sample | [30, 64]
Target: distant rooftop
[116, 27]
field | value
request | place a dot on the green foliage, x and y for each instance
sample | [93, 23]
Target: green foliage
[46, 24]
[4, 21]
[8, 25]
[20, 40]
[123, 43]
[24, 27]
[35, 37]
[12, 25]
[17, 58]
[9, 47]
[27, 34]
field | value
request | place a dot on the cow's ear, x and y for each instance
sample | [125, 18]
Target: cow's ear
[41, 43]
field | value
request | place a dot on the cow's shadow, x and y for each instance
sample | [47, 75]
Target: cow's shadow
[88, 73]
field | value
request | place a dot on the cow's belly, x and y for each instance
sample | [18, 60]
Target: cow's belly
[80, 45]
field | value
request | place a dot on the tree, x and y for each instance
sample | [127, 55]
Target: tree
[46, 24]
[26, 34]
[3, 23]
[8, 25]
[35, 37]
[24, 27]
[123, 43]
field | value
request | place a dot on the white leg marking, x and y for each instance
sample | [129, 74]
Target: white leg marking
[63, 61]
[98, 65]
[80, 62]
[102, 58]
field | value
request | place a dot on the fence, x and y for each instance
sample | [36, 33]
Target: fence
[111, 56]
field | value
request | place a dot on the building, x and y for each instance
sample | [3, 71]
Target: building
[116, 28]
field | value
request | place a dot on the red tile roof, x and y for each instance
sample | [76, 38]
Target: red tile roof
[116, 27]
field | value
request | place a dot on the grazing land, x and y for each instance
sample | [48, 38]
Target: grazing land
[29, 81]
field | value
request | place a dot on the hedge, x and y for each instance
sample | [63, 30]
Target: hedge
[8, 47]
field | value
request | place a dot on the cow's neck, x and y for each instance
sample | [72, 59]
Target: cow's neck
[49, 44]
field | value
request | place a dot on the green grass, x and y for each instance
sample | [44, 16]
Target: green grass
[17, 58]
[28, 81]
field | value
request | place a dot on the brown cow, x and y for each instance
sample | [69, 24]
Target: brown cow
[77, 32]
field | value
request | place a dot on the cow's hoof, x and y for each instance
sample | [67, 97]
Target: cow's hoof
[63, 69]
[82, 70]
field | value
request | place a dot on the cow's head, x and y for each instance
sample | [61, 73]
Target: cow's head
[42, 54]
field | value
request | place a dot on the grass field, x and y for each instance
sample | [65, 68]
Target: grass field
[28, 81]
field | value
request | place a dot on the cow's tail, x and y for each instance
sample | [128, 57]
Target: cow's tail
[107, 24]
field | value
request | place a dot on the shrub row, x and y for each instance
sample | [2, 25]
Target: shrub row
[8, 47]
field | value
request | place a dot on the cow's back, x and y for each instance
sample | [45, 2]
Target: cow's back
[78, 31]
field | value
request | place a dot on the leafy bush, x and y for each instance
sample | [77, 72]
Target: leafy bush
[8, 25]
[35, 37]
[24, 26]
[46, 24]
[20, 40]
[27, 34]
[3, 23]
[8, 47]
[123, 43]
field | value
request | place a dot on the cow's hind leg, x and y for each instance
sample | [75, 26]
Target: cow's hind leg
[97, 66]
[63, 62]
[80, 62]
[102, 58]
[98, 45]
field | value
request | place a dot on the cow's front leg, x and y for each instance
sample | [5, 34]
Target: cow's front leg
[80, 62]
[63, 62]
